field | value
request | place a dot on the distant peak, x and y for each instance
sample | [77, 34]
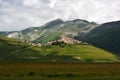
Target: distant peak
[79, 20]
[94, 23]
[59, 20]
[53, 23]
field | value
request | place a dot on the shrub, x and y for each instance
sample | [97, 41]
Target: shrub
[31, 74]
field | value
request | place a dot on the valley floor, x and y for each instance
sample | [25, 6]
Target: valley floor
[59, 71]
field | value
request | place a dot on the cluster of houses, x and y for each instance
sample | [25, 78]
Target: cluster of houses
[66, 40]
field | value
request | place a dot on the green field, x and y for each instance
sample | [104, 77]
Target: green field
[12, 49]
[20, 61]
[59, 71]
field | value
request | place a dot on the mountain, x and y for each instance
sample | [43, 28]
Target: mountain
[54, 30]
[16, 50]
[105, 36]
[5, 33]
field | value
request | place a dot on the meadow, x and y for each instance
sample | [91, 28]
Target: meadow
[59, 71]
[13, 49]
[20, 61]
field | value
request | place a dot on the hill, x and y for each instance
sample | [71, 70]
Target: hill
[105, 36]
[53, 30]
[15, 50]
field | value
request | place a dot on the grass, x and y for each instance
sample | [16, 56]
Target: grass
[12, 49]
[82, 52]
[59, 71]
[19, 61]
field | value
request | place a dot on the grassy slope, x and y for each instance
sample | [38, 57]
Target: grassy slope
[82, 53]
[12, 49]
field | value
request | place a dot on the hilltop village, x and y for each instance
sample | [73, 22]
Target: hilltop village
[63, 40]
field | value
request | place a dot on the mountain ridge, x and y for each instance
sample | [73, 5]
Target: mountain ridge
[54, 30]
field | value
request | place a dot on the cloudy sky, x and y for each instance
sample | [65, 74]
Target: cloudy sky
[20, 14]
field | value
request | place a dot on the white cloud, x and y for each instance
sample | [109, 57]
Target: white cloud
[34, 3]
[30, 2]
[52, 3]
[20, 14]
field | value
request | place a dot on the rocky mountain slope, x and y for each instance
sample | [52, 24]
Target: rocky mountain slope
[53, 30]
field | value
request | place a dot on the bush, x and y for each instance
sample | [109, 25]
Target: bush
[31, 74]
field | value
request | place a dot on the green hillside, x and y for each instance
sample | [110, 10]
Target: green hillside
[106, 36]
[82, 52]
[12, 49]
[15, 49]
